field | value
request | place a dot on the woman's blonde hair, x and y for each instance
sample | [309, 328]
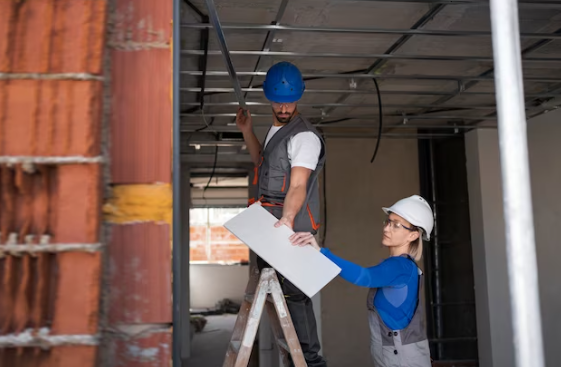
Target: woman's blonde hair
[416, 247]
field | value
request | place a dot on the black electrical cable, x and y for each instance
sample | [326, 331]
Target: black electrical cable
[379, 122]
[213, 170]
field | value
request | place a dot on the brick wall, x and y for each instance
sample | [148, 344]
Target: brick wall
[216, 244]
[51, 56]
[62, 64]
[140, 298]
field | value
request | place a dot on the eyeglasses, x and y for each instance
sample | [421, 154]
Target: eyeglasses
[280, 105]
[396, 225]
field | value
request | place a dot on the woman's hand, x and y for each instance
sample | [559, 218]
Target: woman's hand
[304, 239]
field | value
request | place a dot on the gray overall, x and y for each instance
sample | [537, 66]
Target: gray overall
[399, 348]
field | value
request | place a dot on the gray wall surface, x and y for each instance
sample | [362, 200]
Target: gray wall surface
[213, 283]
[488, 238]
[356, 191]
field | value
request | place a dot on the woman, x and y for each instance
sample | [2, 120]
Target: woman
[396, 318]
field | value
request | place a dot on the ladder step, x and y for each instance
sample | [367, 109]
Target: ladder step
[250, 297]
[283, 344]
[235, 345]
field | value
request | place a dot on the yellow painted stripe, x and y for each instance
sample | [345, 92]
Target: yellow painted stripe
[139, 203]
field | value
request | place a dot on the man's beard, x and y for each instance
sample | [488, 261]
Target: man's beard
[283, 120]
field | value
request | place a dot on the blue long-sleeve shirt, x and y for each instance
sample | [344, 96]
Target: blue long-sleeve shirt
[397, 281]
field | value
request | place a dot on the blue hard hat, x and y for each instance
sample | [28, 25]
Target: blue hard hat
[284, 83]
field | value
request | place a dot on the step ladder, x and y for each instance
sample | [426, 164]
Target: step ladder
[263, 290]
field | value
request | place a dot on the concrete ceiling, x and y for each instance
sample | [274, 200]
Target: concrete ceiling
[401, 97]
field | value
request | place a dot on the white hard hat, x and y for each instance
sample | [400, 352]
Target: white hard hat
[416, 211]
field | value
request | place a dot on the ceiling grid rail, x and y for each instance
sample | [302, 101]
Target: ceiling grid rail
[411, 32]
[364, 56]
[375, 76]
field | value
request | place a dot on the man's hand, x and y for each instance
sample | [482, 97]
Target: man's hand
[289, 222]
[304, 239]
[244, 121]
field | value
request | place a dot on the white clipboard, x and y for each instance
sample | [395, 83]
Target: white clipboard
[305, 267]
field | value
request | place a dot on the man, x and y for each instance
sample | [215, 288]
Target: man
[287, 166]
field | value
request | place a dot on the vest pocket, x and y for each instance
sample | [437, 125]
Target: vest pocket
[278, 182]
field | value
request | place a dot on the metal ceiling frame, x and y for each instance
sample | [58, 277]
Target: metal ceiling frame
[411, 32]
[220, 74]
[532, 48]
[224, 52]
[363, 56]
[269, 38]
[353, 117]
[539, 3]
[355, 105]
[373, 91]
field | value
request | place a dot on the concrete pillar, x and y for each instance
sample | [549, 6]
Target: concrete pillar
[494, 327]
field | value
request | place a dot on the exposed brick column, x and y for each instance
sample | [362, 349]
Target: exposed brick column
[51, 85]
[139, 209]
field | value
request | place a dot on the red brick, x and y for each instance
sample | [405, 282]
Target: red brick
[153, 350]
[142, 21]
[73, 356]
[31, 37]
[140, 273]
[220, 233]
[20, 117]
[53, 118]
[197, 254]
[68, 356]
[56, 36]
[77, 209]
[97, 36]
[7, 19]
[141, 121]
[197, 233]
[76, 308]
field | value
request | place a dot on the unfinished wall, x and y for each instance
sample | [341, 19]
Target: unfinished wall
[213, 283]
[139, 206]
[356, 191]
[71, 68]
[489, 245]
[51, 55]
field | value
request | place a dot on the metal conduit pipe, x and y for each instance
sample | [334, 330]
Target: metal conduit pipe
[517, 195]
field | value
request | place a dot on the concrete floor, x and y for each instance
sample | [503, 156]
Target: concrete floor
[209, 346]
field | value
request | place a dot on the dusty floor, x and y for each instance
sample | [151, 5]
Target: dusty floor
[209, 346]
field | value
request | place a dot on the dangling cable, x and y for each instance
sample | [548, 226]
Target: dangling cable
[213, 170]
[380, 120]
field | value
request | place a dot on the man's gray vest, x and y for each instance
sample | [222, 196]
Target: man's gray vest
[273, 177]
[399, 348]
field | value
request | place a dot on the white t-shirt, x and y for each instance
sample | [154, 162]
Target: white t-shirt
[303, 148]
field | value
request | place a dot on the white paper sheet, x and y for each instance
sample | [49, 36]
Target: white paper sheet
[305, 267]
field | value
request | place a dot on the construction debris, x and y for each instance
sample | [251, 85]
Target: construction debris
[228, 306]
[198, 323]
